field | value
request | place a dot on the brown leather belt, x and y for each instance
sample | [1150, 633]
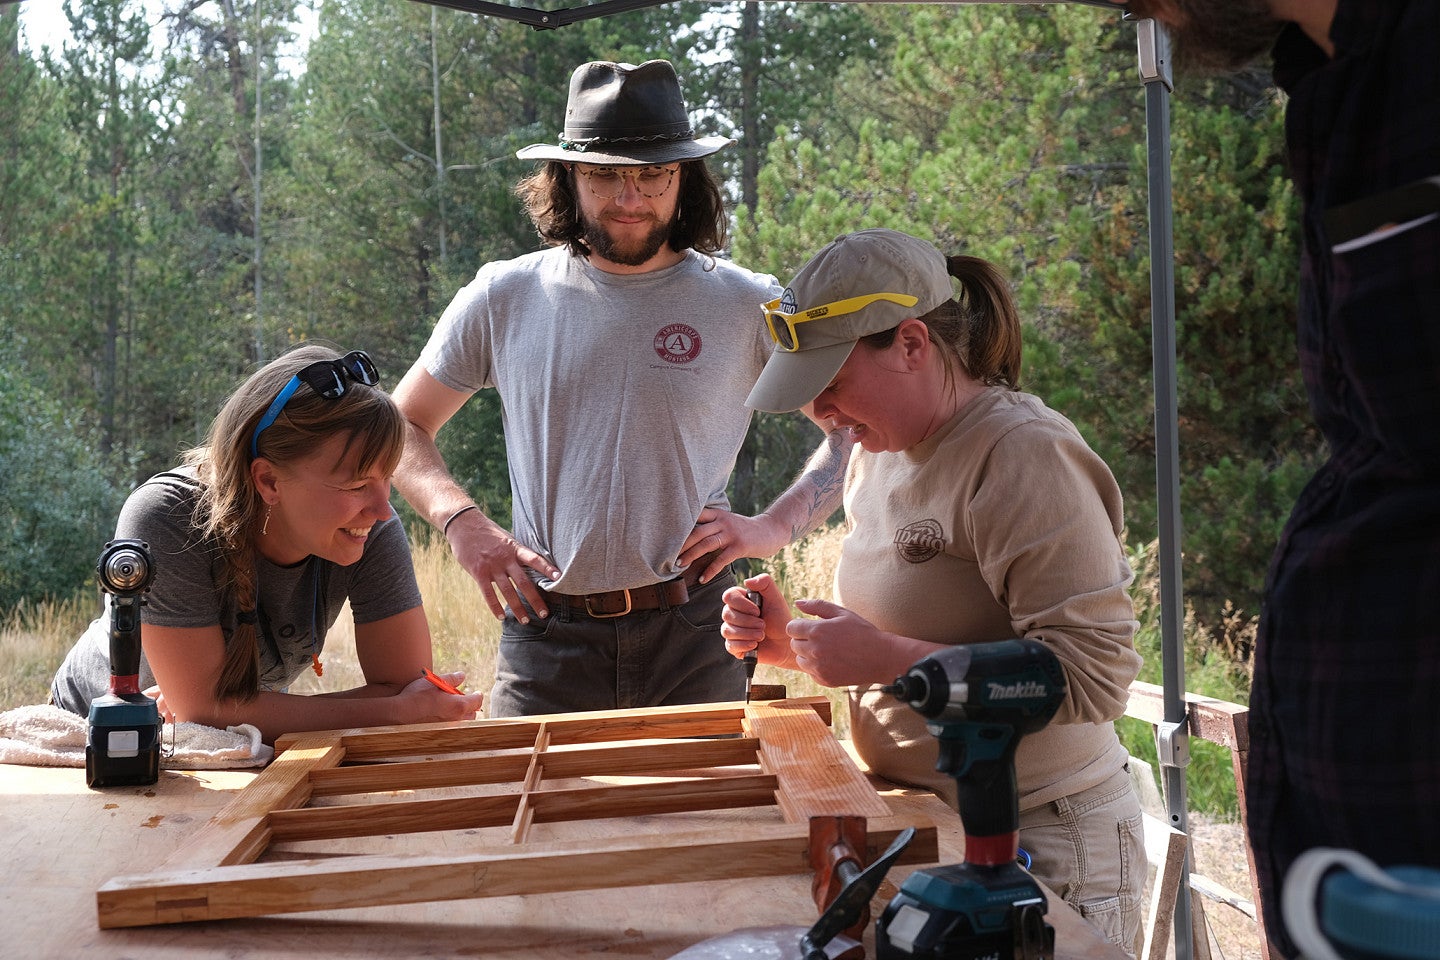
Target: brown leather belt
[617, 603]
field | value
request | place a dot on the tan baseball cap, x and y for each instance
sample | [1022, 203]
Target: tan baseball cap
[860, 283]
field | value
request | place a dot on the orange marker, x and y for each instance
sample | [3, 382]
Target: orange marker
[440, 681]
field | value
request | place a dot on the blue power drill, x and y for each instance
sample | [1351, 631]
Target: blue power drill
[979, 700]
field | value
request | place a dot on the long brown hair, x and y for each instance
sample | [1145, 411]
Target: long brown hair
[980, 331]
[230, 508]
[700, 222]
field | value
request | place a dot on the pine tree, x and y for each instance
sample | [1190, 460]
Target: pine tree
[1017, 135]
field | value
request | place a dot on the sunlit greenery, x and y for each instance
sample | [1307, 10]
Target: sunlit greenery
[171, 218]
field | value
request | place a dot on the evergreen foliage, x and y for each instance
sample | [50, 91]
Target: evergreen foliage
[1247, 443]
[57, 508]
[1017, 135]
[136, 288]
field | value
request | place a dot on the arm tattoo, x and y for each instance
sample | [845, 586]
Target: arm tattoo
[826, 476]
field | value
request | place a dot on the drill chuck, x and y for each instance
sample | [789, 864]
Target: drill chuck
[124, 568]
[1019, 683]
[937, 686]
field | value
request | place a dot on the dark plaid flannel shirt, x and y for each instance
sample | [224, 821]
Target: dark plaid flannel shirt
[1345, 721]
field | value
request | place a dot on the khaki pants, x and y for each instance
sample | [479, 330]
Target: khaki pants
[1089, 848]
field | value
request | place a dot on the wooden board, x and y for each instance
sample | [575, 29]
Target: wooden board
[498, 781]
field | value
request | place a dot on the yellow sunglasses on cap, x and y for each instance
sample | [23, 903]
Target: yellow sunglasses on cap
[782, 325]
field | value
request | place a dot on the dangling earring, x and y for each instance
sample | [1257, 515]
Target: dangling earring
[265, 527]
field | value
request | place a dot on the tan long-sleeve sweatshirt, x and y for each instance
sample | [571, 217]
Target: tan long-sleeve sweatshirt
[1002, 524]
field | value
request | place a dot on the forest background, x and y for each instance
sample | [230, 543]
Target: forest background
[174, 214]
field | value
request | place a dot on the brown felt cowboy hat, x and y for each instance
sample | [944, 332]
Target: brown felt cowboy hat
[619, 113]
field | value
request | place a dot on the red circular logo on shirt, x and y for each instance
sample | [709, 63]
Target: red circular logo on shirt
[678, 343]
[920, 541]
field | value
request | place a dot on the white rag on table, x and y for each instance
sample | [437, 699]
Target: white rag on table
[48, 736]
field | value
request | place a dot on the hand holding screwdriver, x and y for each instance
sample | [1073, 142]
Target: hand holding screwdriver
[744, 629]
[752, 656]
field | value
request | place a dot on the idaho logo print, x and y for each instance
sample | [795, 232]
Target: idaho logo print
[920, 541]
[678, 343]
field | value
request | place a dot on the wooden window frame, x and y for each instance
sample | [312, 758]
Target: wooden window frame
[688, 758]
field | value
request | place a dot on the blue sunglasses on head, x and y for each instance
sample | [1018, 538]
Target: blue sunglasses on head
[329, 378]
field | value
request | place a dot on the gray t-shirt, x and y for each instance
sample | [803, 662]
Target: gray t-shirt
[297, 604]
[623, 396]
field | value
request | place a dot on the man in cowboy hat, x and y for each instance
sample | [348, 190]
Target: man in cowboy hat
[623, 355]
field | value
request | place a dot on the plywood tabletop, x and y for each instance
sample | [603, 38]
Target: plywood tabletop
[61, 841]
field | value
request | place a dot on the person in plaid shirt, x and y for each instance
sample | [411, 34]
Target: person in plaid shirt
[1345, 705]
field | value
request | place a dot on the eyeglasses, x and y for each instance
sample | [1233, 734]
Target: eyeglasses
[607, 183]
[782, 325]
[329, 378]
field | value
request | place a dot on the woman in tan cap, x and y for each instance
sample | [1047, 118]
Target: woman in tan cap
[974, 514]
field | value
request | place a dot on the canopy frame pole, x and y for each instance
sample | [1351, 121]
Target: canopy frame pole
[1172, 736]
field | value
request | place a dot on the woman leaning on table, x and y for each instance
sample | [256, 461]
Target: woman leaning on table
[258, 539]
[974, 514]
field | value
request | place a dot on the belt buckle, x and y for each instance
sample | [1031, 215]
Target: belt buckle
[590, 611]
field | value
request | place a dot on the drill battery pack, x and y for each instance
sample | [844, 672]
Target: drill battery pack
[966, 912]
[123, 745]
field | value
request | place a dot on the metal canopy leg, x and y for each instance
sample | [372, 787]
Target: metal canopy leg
[1172, 740]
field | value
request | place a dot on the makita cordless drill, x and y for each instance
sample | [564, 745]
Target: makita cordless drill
[979, 700]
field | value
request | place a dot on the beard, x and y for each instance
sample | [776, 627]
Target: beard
[626, 253]
[1221, 37]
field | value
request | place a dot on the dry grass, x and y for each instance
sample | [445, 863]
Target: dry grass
[34, 638]
[1218, 851]
[463, 634]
